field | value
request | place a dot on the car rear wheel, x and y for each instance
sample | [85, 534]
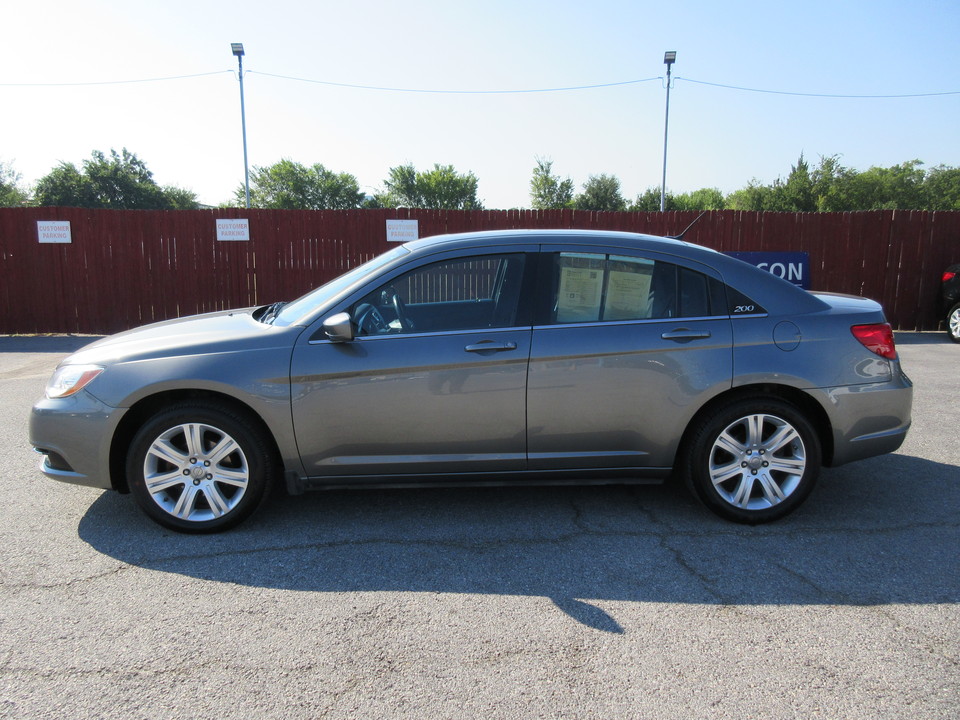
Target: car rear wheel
[953, 323]
[199, 467]
[753, 461]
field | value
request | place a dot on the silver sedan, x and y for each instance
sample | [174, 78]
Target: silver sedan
[499, 357]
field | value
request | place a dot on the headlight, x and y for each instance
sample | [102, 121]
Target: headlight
[70, 379]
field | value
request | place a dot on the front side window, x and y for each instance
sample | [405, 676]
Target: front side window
[462, 294]
[303, 307]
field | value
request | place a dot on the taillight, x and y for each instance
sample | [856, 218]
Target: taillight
[948, 276]
[877, 338]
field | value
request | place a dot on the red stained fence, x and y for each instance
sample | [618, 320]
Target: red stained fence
[125, 268]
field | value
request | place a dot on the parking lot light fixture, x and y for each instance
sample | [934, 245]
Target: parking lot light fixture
[237, 49]
[669, 58]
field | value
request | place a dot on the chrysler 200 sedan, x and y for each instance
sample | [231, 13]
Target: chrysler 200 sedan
[510, 357]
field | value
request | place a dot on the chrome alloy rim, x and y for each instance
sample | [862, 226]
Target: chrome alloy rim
[955, 323]
[757, 462]
[196, 472]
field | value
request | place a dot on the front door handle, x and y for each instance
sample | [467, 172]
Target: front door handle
[490, 346]
[685, 335]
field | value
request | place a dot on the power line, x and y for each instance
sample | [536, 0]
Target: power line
[116, 82]
[571, 88]
[818, 95]
[454, 92]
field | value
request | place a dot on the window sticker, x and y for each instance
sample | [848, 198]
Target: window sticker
[628, 296]
[581, 289]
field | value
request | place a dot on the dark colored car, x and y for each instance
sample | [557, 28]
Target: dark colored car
[950, 300]
[511, 357]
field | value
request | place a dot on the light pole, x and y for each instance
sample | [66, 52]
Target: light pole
[238, 51]
[669, 58]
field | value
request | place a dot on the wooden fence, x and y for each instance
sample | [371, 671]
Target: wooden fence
[124, 268]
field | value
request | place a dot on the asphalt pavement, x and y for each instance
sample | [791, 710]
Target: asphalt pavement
[590, 602]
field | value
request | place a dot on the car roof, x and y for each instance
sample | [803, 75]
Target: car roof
[519, 237]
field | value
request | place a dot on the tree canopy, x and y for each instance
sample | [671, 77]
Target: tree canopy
[601, 193]
[289, 185]
[831, 187]
[120, 181]
[548, 191]
[11, 194]
[123, 181]
[442, 188]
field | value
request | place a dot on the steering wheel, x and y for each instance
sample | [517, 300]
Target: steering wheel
[393, 297]
[370, 321]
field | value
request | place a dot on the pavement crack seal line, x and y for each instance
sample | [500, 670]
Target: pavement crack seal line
[705, 582]
[69, 582]
[663, 536]
[141, 670]
[833, 598]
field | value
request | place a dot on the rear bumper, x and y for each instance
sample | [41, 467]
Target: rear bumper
[868, 420]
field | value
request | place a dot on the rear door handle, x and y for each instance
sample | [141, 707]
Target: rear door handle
[685, 335]
[490, 346]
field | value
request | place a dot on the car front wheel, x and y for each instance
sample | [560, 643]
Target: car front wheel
[753, 461]
[198, 467]
[953, 323]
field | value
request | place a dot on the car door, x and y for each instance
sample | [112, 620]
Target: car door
[434, 382]
[626, 348]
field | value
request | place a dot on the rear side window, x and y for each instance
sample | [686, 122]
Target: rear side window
[595, 287]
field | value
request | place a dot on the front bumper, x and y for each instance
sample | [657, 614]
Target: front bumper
[73, 434]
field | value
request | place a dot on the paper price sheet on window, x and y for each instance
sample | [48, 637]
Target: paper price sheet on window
[583, 296]
[579, 296]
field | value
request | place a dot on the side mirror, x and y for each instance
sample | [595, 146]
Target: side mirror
[339, 327]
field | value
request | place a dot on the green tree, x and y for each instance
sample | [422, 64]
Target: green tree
[649, 201]
[120, 181]
[832, 186]
[65, 186]
[702, 199]
[754, 196]
[442, 188]
[548, 191]
[601, 193]
[178, 198]
[11, 194]
[290, 185]
[895, 188]
[942, 188]
[796, 194]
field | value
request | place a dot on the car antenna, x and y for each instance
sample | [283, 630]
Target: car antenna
[680, 236]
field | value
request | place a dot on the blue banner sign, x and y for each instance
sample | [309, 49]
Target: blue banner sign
[793, 267]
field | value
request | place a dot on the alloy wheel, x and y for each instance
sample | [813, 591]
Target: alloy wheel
[757, 462]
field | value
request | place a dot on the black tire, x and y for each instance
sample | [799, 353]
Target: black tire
[752, 461]
[199, 467]
[953, 323]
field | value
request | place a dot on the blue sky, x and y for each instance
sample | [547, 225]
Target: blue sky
[188, 130]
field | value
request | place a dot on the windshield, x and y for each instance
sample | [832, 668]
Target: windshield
[307, 305]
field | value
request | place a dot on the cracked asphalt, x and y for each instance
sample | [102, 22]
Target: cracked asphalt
[604, 602]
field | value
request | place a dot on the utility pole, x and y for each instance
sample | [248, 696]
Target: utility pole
[238, 51]
[669, 58]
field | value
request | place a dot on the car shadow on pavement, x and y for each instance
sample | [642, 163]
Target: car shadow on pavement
[877, 532]
[60, 344]
[923, 338]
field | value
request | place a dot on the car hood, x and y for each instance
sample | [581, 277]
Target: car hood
[225, 331]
